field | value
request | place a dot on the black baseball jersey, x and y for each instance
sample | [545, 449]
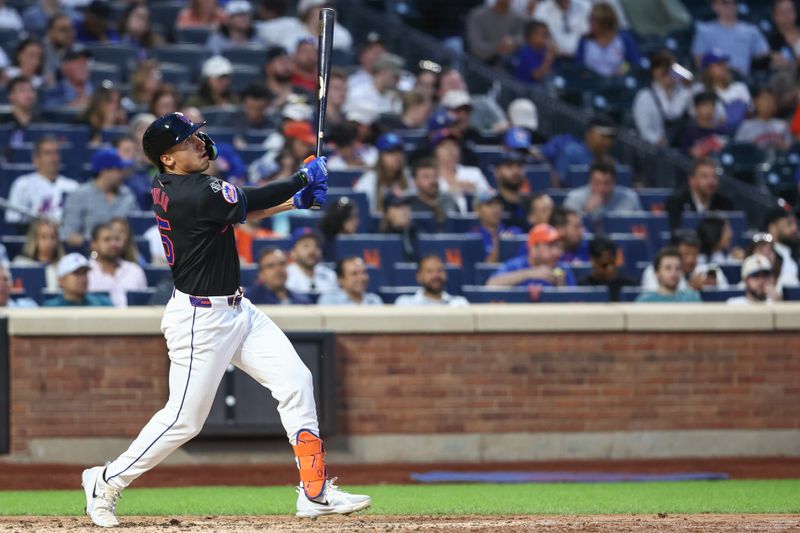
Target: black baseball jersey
[195, 216]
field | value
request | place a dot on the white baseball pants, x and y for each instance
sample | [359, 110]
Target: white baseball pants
[205, 335]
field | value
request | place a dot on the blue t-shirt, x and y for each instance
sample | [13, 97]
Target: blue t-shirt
[565, 150]
[741, 42]
[91, 300]
[486, 235]
[521, 263]
[580, 254]
[529, 59]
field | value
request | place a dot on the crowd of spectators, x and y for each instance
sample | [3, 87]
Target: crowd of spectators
[412, 150]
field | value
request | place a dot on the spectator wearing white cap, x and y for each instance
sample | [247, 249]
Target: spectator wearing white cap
[459, 105]
[236, 30]
[73, 270]
[757, 280]
[381, 95]
[287, 31]
[215, 89]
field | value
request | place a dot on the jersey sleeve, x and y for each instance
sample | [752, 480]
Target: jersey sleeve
[222, 203]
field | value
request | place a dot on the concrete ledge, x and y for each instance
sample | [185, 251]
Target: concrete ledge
[534, 318]
[502, 447]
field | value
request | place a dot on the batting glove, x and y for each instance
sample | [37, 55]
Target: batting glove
[311, 196]
[316, 171]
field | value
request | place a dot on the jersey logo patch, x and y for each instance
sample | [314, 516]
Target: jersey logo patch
[216, 185]
[230, 193]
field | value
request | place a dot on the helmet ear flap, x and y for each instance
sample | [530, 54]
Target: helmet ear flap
[211, 147]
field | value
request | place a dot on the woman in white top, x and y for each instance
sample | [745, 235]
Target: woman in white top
[389, 174]
[455, 179]
[715, 236]
[29, 62]
[42, 247]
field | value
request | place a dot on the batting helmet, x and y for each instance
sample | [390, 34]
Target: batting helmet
[166, 132]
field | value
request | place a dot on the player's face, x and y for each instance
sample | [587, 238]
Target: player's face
[432, 276]
[272, 270]
[354, 278]
[187, 157]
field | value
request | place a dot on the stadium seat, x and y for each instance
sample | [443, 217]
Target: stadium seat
[791, 294]
[30, 278]
[390, 293]
[123, 56]
[142, 297]
[13, 243]
[222, 117]
[189, 55]
[112, 133]
[719, 295]
[244, 75]
[305, 219]
[73, 134]
[461, 251]
[359, 198]
[461, 222]
[250, 153]
[256, 137]
[424, 222]
[9, 40]
[197, 35]
[141, 222]
[155, 274]
[511, 247]
[281, 243]
[732, 271]
[248, 276]
[254, 56]
[737, 220]
[488, 156]
[484, 295]
[483, 271]
[781, 178]
[405, 274]
[380, 251]
[11, 171]
[557, 195]
[103, 73]
[654, 200]
[573, 295]
[163, 15]
[630, 249]
[535, 294]
[629, 294]
[143, 246]
[177, 75]
[743, 161]
[538, 177]
[649, 226]
[343, 178]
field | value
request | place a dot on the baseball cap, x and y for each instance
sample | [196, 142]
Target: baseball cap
[712, 58]
[71, 263]
[523, 114]
[302, 233]
[297, 111]
[441, 135]
[237, 7]
[457, 98]
[389, 61]
[300, 129]
[275, 52]
[392, 199]
[542, 233]
[304, 5]
[440, 119]
[517, 139]
[217, 66]
[389, 141]
[107, 159]
[755, 264]
[76, 51]
[100, 9]
[362, 112]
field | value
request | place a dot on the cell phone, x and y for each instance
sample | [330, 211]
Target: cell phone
[712, 272]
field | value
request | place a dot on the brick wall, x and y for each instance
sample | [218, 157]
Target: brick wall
[446, 383]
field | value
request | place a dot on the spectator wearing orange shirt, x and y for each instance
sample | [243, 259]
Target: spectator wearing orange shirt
[199, 14]
[245, 235]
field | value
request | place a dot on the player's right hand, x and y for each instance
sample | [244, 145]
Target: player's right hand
[316, 171]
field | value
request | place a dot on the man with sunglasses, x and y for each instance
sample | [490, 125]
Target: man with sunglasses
[209, 324]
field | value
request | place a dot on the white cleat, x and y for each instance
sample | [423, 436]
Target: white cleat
[332, 501]
[101, 498]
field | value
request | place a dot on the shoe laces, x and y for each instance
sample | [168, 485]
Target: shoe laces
[331, 486]
[107, 498]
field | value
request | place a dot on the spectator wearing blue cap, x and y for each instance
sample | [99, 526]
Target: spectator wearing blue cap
[98, 201]
[563, 151]
[306, 274]
[733, 97]
[741, 41]
[488, 205]
[509, 175]
[41, 193]
[389, 173]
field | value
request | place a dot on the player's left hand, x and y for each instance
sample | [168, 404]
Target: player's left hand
[311, 196]
[316, 170]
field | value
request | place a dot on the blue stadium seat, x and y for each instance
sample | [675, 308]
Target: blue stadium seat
[155, 274]
[198, 35]
[732, 271]
[141, 222]
[250, 153]
[221, 135]
[13, 243]
[254, 56]
[176, 74]
[32, 279]
[629, 294]
[412, 136]
[573, 295]
[425, 222]
[112, 133]
[244, 75]
[123, 56]
[580, 270]
[142, 297]
[488, 156]
[390, 294]
[11, 171]
[256, 137]
[360, 199]
[344, 178]
[259, 245]
[73, 134]
[222, 117]
[405, 274]
[305, 219]
[654, 200]
[631, 249]
[101, 73]
[380, 251]
[483, 271]
[538, 177]
[646, 225]
[484, 295]
[511, 247]
[578, 176]
[377, 278]
[719, 295]
[461, 222]
[558, 195]
[791, 294]
[190, 55]
[143, 246]
[462, 251]
[249, 275]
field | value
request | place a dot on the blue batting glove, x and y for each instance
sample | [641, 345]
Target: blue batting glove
[304, 199]
[316, 170]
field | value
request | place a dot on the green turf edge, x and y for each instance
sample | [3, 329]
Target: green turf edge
[689, 497]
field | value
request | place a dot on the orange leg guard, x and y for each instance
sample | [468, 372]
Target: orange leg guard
[310, 454]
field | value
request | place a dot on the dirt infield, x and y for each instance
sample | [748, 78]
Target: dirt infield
[42, 476]
[401, 524]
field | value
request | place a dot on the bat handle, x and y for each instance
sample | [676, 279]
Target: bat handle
[314, 204]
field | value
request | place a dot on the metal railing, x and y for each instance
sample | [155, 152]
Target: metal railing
[653, 166]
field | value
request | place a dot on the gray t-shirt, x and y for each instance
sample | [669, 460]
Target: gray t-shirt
[88, 206]
[623, 199]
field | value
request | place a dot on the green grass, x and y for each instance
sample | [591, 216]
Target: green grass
[762, 496]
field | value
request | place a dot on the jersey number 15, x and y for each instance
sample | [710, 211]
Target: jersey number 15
[169, 249]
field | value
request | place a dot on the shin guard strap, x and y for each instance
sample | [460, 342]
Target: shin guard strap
[310, 454]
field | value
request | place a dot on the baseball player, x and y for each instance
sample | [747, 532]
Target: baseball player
[209, 324]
